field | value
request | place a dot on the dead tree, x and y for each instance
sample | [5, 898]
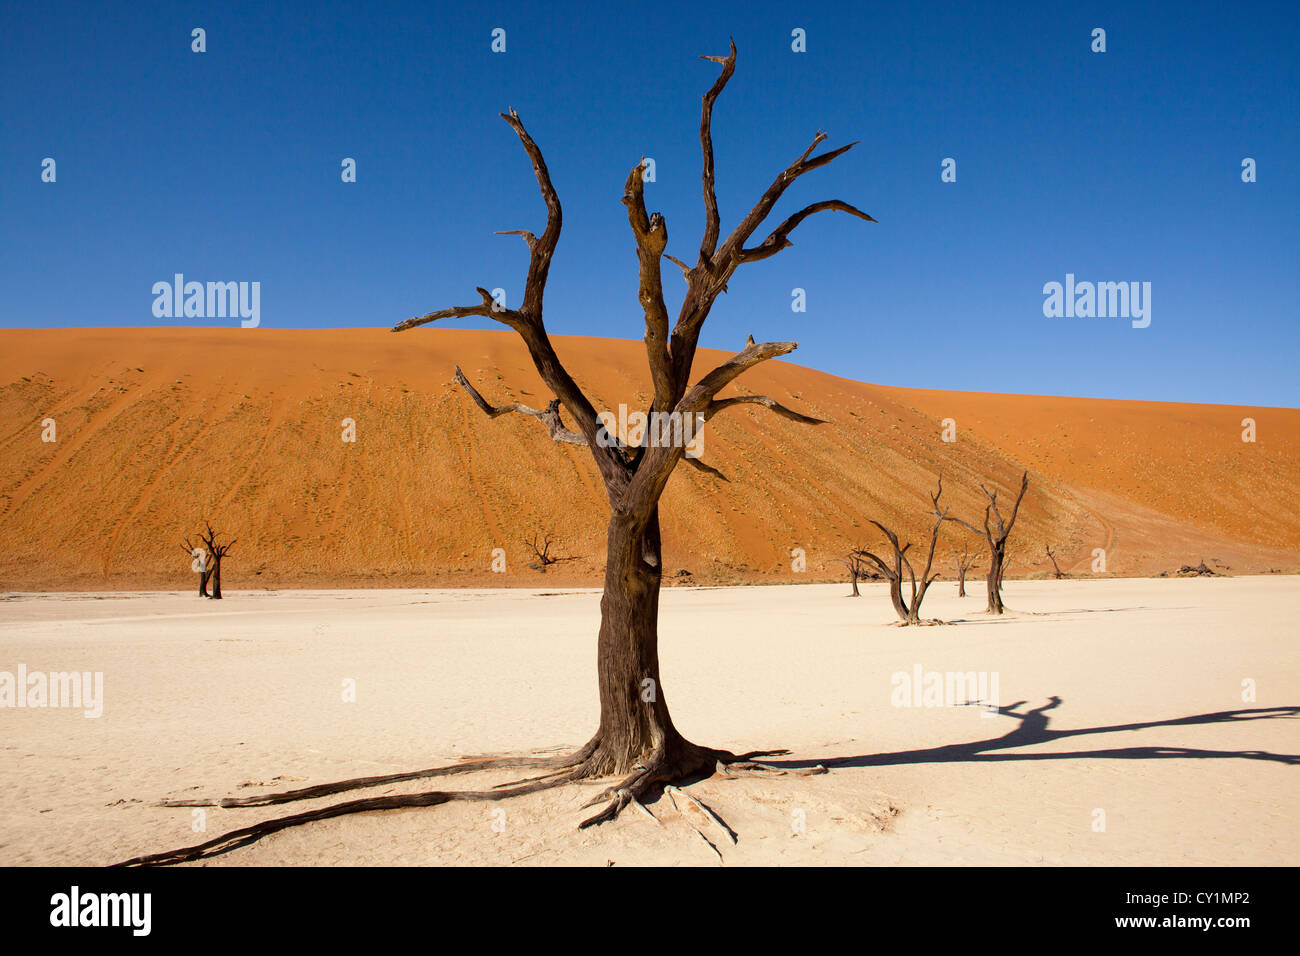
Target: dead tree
[542, 552]
[965, 560]
[1057, 573]
[858, 570]
[216, 552]
[909, 612]
[636, 739]
[995, 534]
[204, 559]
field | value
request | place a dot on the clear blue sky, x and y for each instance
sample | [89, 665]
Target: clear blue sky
[1122, 166]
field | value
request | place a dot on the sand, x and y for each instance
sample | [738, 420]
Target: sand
[159, 428]
[246, 696]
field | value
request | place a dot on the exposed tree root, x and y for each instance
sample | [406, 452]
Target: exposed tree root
[686, 804]
[659, 768]
[246, 835]
[748, 768]
[694, 761]
[657, 772]
[360, 783]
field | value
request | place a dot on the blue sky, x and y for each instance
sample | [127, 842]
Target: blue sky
[1115, 166]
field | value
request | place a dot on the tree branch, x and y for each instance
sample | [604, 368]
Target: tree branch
[686, 270]
[971, 528]
[712, 220]
[885, 569]
[1024, 486]
[699, 465]
[529, 239]
[763, 208]
[780, 236]
[651, 233]
[699, 398]
[488, 309]
[550, 416]
[541, 248]
[721, 404]
[709, 279]
[527, 321]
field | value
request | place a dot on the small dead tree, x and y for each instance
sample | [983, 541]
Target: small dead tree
[542, 551]
[216, 551]
[858, 569]
[202, 563]
[965, 560]
[636, 741]
[995, 534]
[1057, 573]
[909, 611]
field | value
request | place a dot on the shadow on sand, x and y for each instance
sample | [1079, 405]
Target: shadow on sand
[1033, 728]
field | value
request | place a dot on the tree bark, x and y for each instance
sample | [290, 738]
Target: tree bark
[994, 583]
[896, 596]
[635, 726]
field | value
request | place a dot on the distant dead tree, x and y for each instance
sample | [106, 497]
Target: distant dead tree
[909, 611]
[542, 551]
[995, 534]
[204, 561]
[216, 552]
[965, 560]
[858, 569]
[1057, 573]
[636, 740]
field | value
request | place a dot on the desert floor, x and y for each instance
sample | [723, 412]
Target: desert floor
[1122, 704]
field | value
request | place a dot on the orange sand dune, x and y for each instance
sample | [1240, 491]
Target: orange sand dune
[158, 428]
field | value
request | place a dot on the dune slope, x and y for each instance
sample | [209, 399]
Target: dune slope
[158, 428]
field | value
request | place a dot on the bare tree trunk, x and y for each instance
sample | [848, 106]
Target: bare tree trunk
[896, 596]
[635, 726]
[994, 583]
[893, 573]
[205, 568]
[961, 579]
[216, 578]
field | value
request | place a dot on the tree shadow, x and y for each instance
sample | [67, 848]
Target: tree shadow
[1033, 728]
[1013, 614]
